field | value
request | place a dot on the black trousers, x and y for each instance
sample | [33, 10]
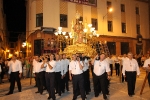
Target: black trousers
[40, 81]
[100, 84]
[87, 81]
[14, 76]
[131, 79]
[108, 84]
[78, 84]
[66, 80]
[149, 78]
[63, 85]
[58, 82]
[117, 65]
[111, 68]
[35, 80]
[0, 79]
[50, 81]
[44, 80]
[123, 79]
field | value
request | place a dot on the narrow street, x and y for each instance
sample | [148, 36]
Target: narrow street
[118, 91]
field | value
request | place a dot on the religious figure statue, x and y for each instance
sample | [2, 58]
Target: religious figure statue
[78, 29]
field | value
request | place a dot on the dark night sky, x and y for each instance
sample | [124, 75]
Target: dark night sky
[15, 17]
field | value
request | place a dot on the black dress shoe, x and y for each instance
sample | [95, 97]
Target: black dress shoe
[133, 94]
[85, 98]
[87, 93]
[41, 93]
[90, 90]
[37, 92]
[130, 95]
[49, 98]
[105, 98]
[8, 93]
[107, 94]
[74, 98]
[96, 95]
[54, 98]
[63, 91]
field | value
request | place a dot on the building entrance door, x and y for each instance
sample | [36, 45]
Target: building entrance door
[38, 46]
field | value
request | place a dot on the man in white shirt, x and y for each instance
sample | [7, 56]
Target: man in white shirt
[39, 70]
[58, 75]
[130, 70]
[110, 61]
[76, 71]
[15, 71]
[50, 77]
[33, 64]
[146, 66]
[86, 73]
[65, 81]
[62, 73]
[101, 74]
[122, 60]
[117, 65]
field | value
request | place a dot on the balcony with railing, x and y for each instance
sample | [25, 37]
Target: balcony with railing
[84, 2]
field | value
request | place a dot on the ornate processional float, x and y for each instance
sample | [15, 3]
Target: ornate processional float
[81, 40]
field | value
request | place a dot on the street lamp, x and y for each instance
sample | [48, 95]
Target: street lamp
[24, 44]
[90, 34]
[60, 37]
[69, 38]
[7, 53]
[109, 11]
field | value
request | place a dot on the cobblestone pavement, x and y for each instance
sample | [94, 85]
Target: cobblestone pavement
[118, 91]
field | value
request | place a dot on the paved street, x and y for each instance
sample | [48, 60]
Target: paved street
[118, 91]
